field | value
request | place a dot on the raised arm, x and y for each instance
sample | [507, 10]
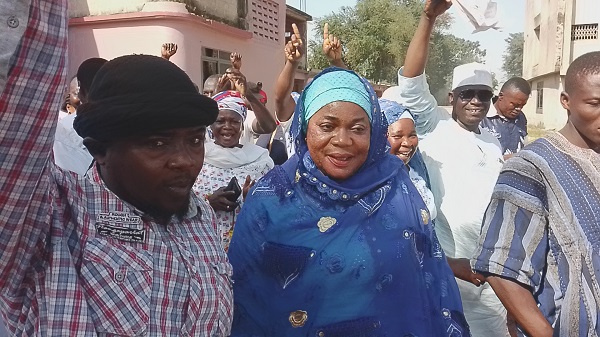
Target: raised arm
[332, 48]
[418, 50]
[412, 90]
[34, 70]
[294, 51]
[265, 121]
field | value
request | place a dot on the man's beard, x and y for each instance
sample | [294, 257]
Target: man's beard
[166, 215]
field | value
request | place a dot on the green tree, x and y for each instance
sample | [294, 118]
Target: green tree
[376, 33]
[448, 51]
[512, 60]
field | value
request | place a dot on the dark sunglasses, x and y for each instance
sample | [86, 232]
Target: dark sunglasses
[482, 95]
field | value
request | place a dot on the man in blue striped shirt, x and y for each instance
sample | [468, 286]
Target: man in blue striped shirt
[540, 241]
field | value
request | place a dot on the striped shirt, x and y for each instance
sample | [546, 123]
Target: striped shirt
[542, 229]
[76, 260]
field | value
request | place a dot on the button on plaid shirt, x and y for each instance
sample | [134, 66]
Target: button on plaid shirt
[75, 260]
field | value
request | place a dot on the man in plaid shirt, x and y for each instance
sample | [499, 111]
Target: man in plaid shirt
[127, 249]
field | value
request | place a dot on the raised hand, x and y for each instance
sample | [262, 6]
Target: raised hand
[168, 50]
[332, 46]
[435, 8]
[236, 61]
[224, 84]
[238, 80]
[294, 49]
[247, 186]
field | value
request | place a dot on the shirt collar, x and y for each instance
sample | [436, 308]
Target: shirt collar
[492, 112]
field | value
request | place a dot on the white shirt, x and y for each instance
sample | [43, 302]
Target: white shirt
[69, 152]
[289, 140]
[463, 168]
[248, 135]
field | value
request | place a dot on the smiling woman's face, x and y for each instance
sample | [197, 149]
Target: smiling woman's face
[403, 139]
[227, 128]
[338, 139]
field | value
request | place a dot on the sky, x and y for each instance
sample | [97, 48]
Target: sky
[511, 13]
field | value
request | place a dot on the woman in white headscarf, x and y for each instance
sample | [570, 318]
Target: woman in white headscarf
[225, 158]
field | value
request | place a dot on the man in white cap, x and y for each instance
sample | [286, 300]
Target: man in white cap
[463, 163]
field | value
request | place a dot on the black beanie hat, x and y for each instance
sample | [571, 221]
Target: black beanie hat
[141, 94]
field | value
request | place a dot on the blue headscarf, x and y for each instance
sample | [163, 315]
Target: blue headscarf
[336, 86]
[394, 111]
[379, 165]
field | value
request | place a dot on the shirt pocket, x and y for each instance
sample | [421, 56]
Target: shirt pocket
[117, 280]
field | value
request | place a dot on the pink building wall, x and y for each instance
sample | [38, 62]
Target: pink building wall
[111, 36]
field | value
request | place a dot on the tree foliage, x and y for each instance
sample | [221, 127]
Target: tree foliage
[512, 60]
[376, 33]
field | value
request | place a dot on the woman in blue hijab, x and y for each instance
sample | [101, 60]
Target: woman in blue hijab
[337, 242]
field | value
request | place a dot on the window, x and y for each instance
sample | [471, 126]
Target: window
[214, 62]
[537, 46]
[540, 97]
[584, 32]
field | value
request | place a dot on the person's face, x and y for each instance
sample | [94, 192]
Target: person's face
[403, 139]
[583, 106]
[511, 102]
[338, 139]
[470, 104]
[155, 173]
[208, 89]
[73, 101]
[227, 128]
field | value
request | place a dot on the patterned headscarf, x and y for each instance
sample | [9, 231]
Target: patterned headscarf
[394, 111]
[232, 101]
[334, 87]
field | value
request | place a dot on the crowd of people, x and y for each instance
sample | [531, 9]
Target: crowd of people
[136, 203]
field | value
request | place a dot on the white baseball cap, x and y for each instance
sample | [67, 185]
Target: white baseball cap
[471, 74]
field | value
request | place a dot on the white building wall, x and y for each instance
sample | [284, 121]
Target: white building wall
[586, 11]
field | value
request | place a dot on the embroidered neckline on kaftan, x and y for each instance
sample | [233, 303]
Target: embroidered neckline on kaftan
[331, 192]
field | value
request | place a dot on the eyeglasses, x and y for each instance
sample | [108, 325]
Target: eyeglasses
[482, 95]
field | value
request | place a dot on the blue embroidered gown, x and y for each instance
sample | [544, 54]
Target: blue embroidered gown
[358, 258]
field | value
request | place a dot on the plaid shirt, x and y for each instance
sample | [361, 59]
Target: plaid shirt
[75, 260]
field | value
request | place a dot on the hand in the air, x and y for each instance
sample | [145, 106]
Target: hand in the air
[435, 8]
[236, 61]
[332, 46]
[294, 48]
[168, 50]
[238, 80]
[247, 186]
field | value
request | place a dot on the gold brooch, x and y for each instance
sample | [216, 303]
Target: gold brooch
[298, 318]
[325, 223]
[425, 216]
[297, 179]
